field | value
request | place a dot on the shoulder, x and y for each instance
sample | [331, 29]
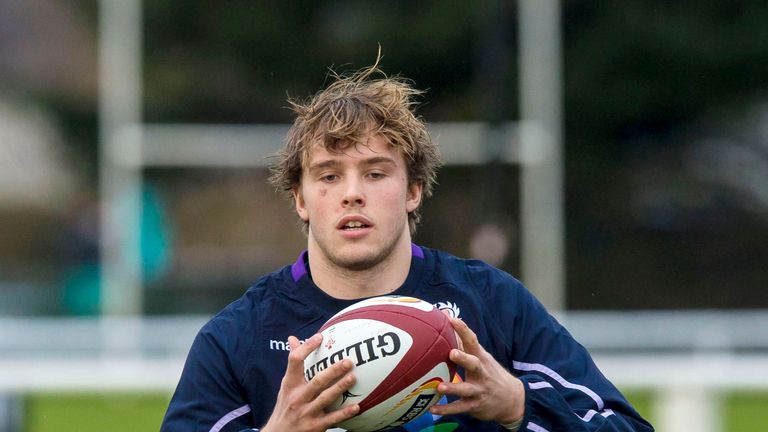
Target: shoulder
[479, 275]
[497, 294]
[495, 304]
[226, 330]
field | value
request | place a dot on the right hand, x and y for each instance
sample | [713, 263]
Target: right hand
[300, 405]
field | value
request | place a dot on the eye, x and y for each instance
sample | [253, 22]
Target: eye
[328, 178]
[376, 175]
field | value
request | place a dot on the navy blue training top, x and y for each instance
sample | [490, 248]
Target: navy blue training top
[233, 372]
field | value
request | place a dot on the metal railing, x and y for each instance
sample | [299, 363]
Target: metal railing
[686, 359]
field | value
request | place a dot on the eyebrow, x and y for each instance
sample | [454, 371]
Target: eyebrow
[333, 163]
[380, 160]
[329, 163]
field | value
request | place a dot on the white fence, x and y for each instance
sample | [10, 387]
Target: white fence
[687, 359]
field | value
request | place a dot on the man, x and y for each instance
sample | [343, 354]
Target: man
[357, 164]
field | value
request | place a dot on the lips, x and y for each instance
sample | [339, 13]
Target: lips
[354, 222]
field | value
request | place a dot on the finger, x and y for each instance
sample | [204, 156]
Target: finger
[469, 362]
[303, 349]
[293, 343]
[455, 407]
[298, 353]
[332, 394]
[458, 339]
[466, 335]
[462, 390]
[335, 417]
[328, 377]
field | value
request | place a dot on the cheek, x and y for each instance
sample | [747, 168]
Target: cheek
[395, 199]
[319, 202]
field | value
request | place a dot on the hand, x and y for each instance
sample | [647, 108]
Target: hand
[489, 392]
[300, 405]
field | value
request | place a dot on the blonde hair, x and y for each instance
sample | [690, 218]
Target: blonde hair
[348, 111]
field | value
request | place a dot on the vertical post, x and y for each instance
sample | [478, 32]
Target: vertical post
[687, 407]
[119, 155]
[11, 412]
[542, 227]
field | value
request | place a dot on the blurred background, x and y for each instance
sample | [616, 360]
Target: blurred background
[658, 118]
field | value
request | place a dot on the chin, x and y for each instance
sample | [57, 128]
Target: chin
[357, 260]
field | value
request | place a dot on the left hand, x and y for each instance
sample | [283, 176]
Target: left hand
[489, 392]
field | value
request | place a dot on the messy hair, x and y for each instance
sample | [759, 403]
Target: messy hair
[352, 108]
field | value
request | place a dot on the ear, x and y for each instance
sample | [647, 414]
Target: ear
[413, 197]
[298, 200]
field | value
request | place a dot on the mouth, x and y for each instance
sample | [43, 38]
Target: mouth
[354, 224]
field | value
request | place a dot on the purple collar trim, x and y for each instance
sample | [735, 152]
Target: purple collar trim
[299, 269]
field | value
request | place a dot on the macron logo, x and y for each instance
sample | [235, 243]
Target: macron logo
[278, 345]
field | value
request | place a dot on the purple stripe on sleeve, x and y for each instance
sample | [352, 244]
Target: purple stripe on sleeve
[245, 409]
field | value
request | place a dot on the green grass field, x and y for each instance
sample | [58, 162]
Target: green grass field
[94, 412]
[746, 412]
[131, 412]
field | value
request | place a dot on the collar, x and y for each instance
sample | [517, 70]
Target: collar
[305, 289]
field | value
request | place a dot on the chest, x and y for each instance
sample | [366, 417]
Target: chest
[270, 356]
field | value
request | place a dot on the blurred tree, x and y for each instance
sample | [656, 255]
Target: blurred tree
[645, 81]
[237, 62]
[637, 68]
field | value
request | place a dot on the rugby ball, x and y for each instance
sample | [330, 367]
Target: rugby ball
[399, 346]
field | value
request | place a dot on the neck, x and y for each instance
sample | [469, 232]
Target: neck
[345, 283]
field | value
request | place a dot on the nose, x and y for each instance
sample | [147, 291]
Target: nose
[353, 194]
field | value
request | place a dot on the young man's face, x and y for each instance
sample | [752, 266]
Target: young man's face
[357, 203]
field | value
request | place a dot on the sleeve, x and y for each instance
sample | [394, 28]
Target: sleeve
[209, 397]
[564, 389]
